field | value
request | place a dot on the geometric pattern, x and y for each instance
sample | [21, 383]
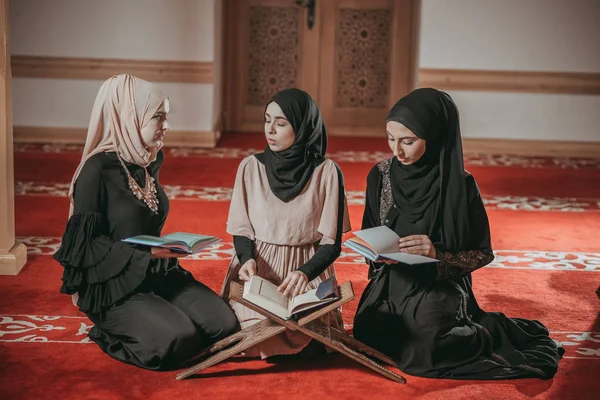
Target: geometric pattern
[23, 328]
[345, 156]
[511, 259]
[189, 192]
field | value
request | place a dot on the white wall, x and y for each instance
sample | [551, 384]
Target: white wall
[177, 30]
[528, 116]
[68, 103]
[171, 30]
[526, 35]
[531, 35]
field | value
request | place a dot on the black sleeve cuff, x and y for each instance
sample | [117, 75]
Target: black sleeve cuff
[323, 258]
[244, 248]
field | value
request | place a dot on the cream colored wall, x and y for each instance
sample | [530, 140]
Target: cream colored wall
[517, 35]
[169, 30]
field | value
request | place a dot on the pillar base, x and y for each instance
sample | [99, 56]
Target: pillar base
[13, 261]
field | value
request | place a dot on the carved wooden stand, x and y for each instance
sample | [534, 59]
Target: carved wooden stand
[310, 325]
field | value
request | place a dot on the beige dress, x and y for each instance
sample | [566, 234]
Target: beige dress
[286, 235]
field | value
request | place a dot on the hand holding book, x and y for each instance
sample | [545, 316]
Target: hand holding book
[266, 295]
[247, 270]
[417, 244]
[176, 243]
[294, 284]
[381, 244]
[161, 252]
[414, 244]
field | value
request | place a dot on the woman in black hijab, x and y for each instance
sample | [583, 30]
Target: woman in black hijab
[288, 212]
[426, 316]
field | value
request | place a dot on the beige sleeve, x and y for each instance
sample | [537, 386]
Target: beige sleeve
[329, 223]
[238, 221]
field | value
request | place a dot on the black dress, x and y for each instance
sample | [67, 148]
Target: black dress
[427, 318]
[147, 312]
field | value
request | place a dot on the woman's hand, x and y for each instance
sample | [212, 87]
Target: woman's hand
[417, 244]
[159, 252]
[247, 270]
[294, 284]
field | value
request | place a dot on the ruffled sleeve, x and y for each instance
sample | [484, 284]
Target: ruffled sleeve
[102, 271]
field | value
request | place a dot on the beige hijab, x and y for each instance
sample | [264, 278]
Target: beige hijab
[123, 106]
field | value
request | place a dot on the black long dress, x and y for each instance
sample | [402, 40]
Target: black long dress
[147, 312]
[427, 318]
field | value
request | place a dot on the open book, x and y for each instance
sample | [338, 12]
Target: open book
[264, 294]
[180, 242]
[380, 243]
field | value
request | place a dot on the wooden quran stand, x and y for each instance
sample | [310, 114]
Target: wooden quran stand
[310, 325]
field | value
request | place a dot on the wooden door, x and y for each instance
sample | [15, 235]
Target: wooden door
[269, 48]
[357, 59]
[367, 62]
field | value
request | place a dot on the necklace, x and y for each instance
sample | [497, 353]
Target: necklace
[148, 193]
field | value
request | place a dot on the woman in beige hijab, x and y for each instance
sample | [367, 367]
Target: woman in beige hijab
[147, 310]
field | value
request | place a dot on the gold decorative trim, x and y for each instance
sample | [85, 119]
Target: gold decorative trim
[511, 81]
[43, 134]
[104, 68]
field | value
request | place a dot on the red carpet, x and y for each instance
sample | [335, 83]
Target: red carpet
[544, 214]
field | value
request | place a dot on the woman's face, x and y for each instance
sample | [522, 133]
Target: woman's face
[405, 145]
[278, 130]
[154, 131]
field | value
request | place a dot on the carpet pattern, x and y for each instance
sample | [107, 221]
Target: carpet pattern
[544, 215]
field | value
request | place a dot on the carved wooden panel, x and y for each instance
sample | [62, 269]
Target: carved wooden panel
[269, 48]
[366, 57]
[357, 59]
[363, 45]
[273, 51]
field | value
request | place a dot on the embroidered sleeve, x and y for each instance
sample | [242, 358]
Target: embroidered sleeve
[453, 265]
[385, 199]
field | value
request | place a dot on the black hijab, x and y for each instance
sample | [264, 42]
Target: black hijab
[433, 189]
[289, 171]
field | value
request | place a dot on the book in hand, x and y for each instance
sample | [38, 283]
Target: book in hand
[179, 242]
[380, 243]
[264, 294]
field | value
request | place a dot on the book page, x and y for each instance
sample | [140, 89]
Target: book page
[323, 294]
[146, 240]
[311, 305]
[265, 295]
[361, 247]
[270, 292]
[410, 259]
[305, 298]
[382, 239]
[188, 238]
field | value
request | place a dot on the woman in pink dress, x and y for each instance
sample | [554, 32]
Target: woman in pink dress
[288, 213]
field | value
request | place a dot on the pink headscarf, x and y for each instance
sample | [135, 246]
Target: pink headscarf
[123, 106]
